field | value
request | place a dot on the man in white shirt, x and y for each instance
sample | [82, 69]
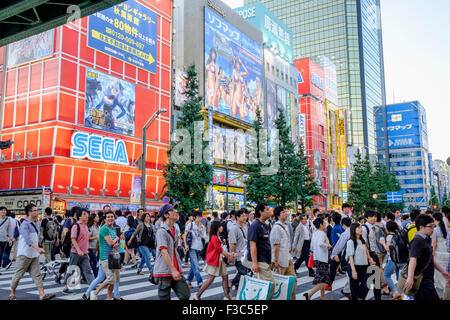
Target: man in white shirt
[238, 244]
[346, 210]
[302, 244]
[281, 246]
[121, 221]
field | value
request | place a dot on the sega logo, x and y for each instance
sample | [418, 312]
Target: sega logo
[95, 147]
[316, 80]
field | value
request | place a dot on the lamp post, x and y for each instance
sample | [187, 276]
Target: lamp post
[144, 152]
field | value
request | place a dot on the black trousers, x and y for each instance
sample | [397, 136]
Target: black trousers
[358, 288]
[304, 255]
[333, 269]
[376, 292]
[427, 291]
[241, 271]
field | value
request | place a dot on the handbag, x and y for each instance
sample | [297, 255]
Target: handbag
[284, 286]
[403, 276]
[311, 261]
[114, 261]
[152, 278]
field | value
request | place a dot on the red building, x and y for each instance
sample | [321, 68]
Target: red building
[313, 112]
[44, 105]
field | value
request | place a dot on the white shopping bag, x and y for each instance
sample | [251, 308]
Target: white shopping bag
[253, 289]
[284, 285]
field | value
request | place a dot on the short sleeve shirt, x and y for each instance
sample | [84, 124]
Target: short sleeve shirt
[259, 233]
[420, 248]
[82, 239]
[238, 237]
[280, 235]
[103, 246]
[198, 233]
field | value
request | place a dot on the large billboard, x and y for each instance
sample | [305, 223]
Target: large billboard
[32, 48]
[311, 78]
[110, 103]
[127, 31]
[405, 125]
[276, 35]
[233, 70]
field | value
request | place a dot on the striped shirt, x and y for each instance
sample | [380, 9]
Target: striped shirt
[103, 246]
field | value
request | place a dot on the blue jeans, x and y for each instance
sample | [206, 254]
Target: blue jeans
[101, 276]
[389, 269]
[93, 261]
[195, 270]
[145, 252]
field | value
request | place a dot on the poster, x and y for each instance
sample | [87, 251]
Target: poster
[32, 48]
[135, 197]
[272, 111]
[110, 103]
[317, 168]
[127, 31]
[233, 70]
[180, 87]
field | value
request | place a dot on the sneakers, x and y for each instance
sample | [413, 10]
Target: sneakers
[345, 294]
[93, 296]
[328, 288]
[67, 291]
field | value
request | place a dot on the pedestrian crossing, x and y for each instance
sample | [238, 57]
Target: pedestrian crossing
[137, 287]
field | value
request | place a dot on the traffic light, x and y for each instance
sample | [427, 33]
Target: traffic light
[6, 144]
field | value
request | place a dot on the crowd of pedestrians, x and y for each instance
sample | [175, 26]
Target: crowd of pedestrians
[258, 243]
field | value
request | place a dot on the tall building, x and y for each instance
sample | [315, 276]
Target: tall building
[441, 183]
[408, 149]
[349, 33]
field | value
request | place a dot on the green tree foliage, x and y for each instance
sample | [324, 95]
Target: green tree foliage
[361, 187]
[187, 182]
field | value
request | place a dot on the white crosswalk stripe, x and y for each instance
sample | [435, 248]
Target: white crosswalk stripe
[137, 287]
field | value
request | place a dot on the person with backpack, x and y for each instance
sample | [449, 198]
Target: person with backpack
[66, 240]
[411, 228]
[28, 254]
[168, 273]
[380, 232]
[49, 232]
[397, 256]
[187, 226]
[224, 234]
[15, 237]
[194, 240]
[93, 240]
[129, 231]
[144, 232]
[358, 258]
[79, 253]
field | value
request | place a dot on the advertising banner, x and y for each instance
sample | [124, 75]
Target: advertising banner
[331, 93]
[110, 103]
[127, 31]
[302, 128]
[18, 203]
[233, 70]
[219, 178]
[276, 35]
[135, 197]
[180, 87]
[272, 112]
[32, 48]
[311, 78]
[342, 153]
[317, 167]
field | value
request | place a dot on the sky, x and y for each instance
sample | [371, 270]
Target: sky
[416, 43]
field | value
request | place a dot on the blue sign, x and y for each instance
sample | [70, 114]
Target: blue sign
[95, 147]
[395, 197]
[166, 199]
[300, 78]
[127, 31]
[317, 81]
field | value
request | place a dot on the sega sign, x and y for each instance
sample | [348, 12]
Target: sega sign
[98, 148]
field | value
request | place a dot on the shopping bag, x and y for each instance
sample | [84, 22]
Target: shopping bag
[311, 261]
[284, 285]
[253, 289]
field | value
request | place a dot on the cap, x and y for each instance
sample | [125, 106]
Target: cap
[164, 209]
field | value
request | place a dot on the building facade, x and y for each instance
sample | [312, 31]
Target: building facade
[408, 149]
[76, 100]
[441, 182]
[349, 33]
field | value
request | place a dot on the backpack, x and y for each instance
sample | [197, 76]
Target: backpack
[147, 237]
[408, 228]
[128, 234]
[67, 243]
[51, 229]
[398, 249]
[16, 230]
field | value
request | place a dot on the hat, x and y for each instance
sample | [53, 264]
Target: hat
[164, 209]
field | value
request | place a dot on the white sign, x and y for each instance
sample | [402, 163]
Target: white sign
[396, 117]
[18, 203]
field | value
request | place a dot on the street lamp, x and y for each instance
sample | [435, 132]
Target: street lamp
[144, 152]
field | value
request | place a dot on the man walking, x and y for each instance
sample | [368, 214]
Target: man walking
[6, 232]
[259, 251]
[422, 261]
[337, 250]
[79, 254]
[238, 244]
[302, 244]
[281, 244]
[167, 269]
[28, 254]
[49, 232]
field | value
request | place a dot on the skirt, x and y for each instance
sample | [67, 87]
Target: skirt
[322, 274]
[219, 271]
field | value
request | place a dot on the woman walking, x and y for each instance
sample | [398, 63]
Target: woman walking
[319, 246]
[358, 256]
[129, 230]
[439, 244]
[93, 239]
[144, 232]
[215, 266]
